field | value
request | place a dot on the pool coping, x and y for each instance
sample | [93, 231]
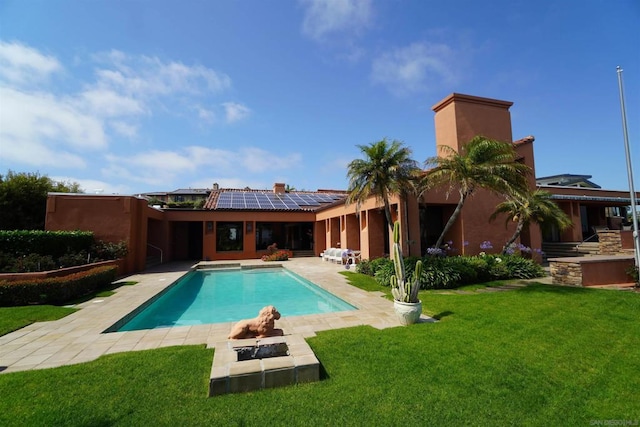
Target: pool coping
[79, 337]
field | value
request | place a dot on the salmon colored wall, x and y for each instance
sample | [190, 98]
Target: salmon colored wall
[110, 218]
[459, 118]
[351, 233]
[319, 237]
[475, 220]
[613, 271]
[413, 230]
[375, 230]
[626, 239]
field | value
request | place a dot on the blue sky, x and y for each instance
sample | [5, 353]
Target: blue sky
[139, 96]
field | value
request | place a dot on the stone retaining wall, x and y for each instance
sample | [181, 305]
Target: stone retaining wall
[610, 243]
[566, 273]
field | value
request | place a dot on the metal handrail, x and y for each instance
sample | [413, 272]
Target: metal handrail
[157, 248]
[589, 238]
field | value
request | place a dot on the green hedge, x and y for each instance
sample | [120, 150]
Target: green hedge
[55, 290]
[53, 243]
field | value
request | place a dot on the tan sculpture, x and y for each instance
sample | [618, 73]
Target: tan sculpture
[259, 327]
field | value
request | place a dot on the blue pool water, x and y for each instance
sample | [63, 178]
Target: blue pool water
[215, 296]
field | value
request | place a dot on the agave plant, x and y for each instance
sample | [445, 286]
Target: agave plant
[403, 289]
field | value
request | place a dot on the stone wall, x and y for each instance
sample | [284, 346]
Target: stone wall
[566, 273]
[610, 242]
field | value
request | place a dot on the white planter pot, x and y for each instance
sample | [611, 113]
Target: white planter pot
[408, 312]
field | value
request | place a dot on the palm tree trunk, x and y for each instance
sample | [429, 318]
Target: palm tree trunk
[387, 214]
[452, 219]
[513, 238]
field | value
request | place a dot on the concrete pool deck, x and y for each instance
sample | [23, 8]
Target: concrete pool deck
[79, 337]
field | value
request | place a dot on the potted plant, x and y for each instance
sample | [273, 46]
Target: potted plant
[406, 304]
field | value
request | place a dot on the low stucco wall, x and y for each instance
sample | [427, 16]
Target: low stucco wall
[591, 270]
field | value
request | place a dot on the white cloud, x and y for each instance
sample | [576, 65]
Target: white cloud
[326, 17]
[107, 103]
[235, 112]
[418, 67]
[259, 160]
[206, 115]
[42, 121]
[125, 129]
[33, 154]
[145, 77]
[21, 64]
[39, 127]
[162, 167]
[230, 183]
[92, 186]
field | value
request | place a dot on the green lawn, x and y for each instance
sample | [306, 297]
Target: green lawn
[542, 355]
[14, 318]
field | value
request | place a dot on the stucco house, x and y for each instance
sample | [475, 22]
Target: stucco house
[241, 223]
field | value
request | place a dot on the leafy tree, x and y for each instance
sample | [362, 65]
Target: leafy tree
[386, 169]
[23, 199]
[532, 206]
[481, 163]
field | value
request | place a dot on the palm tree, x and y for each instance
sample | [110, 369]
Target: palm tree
[533, 206]
[481, 163]
[386, 169]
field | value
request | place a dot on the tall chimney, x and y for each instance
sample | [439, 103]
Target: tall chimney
[279, 188]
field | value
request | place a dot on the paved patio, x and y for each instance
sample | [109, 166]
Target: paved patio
[79, 337]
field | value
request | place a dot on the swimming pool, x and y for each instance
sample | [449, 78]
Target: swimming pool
[216, 296]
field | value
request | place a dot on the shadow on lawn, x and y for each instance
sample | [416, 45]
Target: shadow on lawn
[556, 289]
[441, 315]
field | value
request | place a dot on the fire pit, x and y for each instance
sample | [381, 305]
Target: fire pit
[256, 363]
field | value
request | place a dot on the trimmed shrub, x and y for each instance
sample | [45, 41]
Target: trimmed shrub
[54, 243]
[55, 290]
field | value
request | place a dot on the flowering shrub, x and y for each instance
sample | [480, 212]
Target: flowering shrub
[279, 255]
[486, 245]
[436, 252]
[441, 272]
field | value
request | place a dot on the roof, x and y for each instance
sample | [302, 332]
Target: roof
[526, 140]
[235, 199]
[567, 180]
[616, 200]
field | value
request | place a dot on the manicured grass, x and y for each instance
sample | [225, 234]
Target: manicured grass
[14, 318]
[542, 355]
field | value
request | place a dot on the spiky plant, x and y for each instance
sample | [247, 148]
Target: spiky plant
[403, 289]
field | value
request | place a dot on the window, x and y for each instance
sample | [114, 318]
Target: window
[229, 236]
[264, 235]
